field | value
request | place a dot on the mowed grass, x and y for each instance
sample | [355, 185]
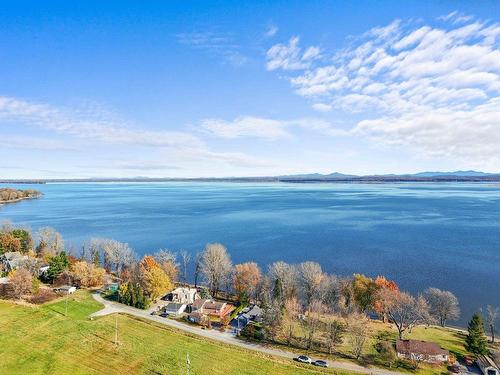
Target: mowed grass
[43, 340]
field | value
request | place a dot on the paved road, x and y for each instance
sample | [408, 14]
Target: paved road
[225, 337]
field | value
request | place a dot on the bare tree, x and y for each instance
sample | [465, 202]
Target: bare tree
[21, 282]
[443, 305]
[404, 310]
[312, 321]
[359, 332]
[292, 310]
[117, 255]
[335, 334]
[197, 267]
[285, 275]
[216, 266]
[185, 258]
[246, 279]
[50, 242]
[311, 279]
[492, 314]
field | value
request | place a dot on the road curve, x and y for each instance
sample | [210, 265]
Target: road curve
[225, 337]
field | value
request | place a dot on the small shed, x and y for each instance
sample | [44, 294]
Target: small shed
[173, 308]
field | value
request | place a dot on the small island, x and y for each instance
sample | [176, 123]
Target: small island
[9, 195]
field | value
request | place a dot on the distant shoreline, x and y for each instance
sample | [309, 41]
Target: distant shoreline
[291, 179]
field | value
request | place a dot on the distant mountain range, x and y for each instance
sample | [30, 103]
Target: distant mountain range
[461, 176]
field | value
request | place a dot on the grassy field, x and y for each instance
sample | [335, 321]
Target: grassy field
[42, 340]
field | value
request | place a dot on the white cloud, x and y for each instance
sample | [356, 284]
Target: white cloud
[431, 88]
[271, 31]
[264, 128]
[290, 56]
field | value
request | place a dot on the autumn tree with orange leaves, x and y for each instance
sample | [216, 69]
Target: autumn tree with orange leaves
[246, 279]
[154, 280]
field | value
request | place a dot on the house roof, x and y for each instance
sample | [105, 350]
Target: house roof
[419, 347]
[484, 361]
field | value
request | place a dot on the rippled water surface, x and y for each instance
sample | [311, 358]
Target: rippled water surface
[420, 235]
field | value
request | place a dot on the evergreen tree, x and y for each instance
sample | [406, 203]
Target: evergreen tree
[57, 265]
[475, 341]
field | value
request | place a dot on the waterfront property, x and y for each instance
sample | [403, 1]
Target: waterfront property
[203, 309]
[183, 295]
[421, 351]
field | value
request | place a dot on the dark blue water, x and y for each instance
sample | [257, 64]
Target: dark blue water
[420, 235]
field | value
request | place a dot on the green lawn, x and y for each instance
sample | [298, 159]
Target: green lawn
[42, 340]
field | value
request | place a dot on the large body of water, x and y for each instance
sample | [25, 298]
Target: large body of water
[418, 234]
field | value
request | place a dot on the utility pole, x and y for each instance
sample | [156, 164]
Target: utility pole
[188, 364]
[116, 329]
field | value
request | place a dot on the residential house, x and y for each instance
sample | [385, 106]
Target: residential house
[487, 365]
[12, 260]
[248, 315]
[214, 310]
[173, 308]
[423, 351]
[183, 295]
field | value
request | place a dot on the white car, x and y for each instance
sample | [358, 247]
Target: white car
[303, 359]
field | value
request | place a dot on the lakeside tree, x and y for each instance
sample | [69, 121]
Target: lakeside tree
[312, 321]
[292, 310]
[476, 342]
[117, 255]
[57, 265]
[155, 282]
[185, 258]
[404, 310]
[311, 277]
[25, 239]
[365, 291]
[50, 242]
[492, 314]
[285, 276]
[383, 285]
[9, 243]
[197, 267]
[21, 282]
[246, 279]
[443, 305]
[215, 266]
[168, 262]
[87, 274]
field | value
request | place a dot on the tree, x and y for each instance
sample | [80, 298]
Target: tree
[359, 333]
[197, 268]
[87, 274]
[9, 243]
[292, 309]
[50, 242]
[404, 310]
[155, 281]
[312, 321]
[246, 279]
[215, 266]
[167, 261]
[335, 331]
[25, 239]
[365, 292]
[387, 353]
[311, 277]
[185, 258]
[475, 342]
[21, 282]
[491, 318]
[287, 276]
[443, 305]
[57, 265]
[383, 285]
[117, 255]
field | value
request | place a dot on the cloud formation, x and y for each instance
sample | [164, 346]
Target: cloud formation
[432, 87]
[265, 128]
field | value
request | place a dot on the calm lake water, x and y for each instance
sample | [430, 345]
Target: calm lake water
[420, 235]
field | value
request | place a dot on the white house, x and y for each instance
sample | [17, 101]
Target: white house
[183, 295]
[12, 260]
[487, 366]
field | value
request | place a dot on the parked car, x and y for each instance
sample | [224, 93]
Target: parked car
[164, 315]
[320, 363]
[303, 359]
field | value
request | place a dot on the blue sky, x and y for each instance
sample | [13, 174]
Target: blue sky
[187, 89]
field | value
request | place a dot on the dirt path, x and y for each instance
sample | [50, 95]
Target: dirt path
[225, 337]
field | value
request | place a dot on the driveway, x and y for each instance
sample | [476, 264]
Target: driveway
[225, 337]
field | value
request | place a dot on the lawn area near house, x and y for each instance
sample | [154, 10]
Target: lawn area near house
[42, 340]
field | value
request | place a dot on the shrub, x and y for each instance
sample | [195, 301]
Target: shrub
[43, 296]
